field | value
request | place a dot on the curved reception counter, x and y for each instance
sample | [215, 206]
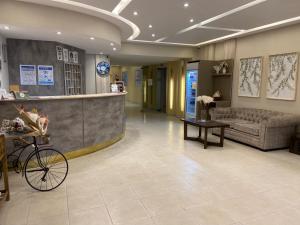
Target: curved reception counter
[79, 124]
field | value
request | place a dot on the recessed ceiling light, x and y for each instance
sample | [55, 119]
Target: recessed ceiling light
[112, 44]
[150, 26]
[6, 27]
[186, 5]
[92, 38]
[58, 33]
[135, 13]
[153, 35]
[115, 49]
[101, 53]
[191, 20]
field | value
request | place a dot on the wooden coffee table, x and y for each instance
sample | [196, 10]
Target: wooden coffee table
[208, 124]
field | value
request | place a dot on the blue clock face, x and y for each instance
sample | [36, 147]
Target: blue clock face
[103, 68]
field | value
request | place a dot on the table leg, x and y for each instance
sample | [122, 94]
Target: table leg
[222, 137]
[185, 131]
[200, 132]
[205, 138]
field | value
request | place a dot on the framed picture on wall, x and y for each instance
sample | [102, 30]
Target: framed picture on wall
[4, 52]
[250, 77]
[75, 57]
[282, 78]
[59, 53]
[66, 55]
[125, 78]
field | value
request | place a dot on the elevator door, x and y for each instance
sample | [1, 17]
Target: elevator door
[161, 76]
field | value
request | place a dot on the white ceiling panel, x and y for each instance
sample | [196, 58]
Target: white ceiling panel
[265, 13]
[197, 35]
[108, 5]
[169, 16]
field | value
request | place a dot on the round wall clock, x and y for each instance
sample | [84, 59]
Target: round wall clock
[103, 68]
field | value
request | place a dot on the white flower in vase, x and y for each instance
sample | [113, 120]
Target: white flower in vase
[205, 99]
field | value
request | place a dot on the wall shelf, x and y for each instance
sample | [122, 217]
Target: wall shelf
[222, 75]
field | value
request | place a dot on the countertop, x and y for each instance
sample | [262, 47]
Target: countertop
[66, 97]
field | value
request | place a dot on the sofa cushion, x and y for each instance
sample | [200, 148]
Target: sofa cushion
[247, 127]
[231, 121]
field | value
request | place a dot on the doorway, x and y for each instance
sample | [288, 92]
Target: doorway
[161, 89]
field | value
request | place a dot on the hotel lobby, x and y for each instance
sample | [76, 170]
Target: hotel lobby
[136, 112]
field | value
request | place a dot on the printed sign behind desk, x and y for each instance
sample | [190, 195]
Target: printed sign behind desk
[27, 75]
[45, 75]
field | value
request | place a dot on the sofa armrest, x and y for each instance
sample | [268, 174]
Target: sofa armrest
[221, 113]
[281, 121]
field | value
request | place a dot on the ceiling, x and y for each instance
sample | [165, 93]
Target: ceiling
[170, 19]
[201, 22]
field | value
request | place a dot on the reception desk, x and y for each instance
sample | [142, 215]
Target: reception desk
[78, 124]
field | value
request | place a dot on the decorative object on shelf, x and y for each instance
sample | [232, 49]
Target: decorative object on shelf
[223, 68]
[217, 69]
[206, 102]
[217, 95]
[250, 77]
[103, 68]
[282, 78]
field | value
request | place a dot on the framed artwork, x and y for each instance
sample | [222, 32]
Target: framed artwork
[282, 78]
[59, 53]
[4, 52]
[125, 78]
[250, 77]
[66, 55]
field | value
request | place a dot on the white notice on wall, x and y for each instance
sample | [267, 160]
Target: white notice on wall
[27, 75]
[45, 75]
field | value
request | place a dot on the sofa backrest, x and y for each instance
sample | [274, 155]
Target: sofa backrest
[254, 115]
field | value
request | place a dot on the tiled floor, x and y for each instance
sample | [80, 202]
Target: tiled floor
[153, 177]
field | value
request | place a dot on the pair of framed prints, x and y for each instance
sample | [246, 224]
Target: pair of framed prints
[281, 80]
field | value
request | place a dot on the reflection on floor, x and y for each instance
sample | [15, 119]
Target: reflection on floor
[153, 177]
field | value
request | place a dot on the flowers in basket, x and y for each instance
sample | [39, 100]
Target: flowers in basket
[35, 121]
[28, 122]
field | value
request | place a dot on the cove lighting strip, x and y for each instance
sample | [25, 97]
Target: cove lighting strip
[253, 30]
[233, 11]
[135, 28]
[121, 6]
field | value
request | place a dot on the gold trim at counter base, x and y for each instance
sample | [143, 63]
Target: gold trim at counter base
[88, 150]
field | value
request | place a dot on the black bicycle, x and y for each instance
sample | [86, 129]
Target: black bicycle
[44, 168]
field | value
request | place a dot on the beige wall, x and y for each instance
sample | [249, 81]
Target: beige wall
[135, 94]
[283, 40]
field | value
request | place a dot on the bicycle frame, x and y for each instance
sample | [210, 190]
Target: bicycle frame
[22, 150]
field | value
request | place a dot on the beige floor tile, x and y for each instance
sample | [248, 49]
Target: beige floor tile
[84, 201]
[158, 204]
[95, 216]
[178, 217]
[54, 220]
[126, 211]
[210, 215]
[48, 207]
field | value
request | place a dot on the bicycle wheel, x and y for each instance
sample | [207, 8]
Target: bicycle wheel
[46, 169]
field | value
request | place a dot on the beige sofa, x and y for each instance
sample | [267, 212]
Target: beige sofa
[264, 129]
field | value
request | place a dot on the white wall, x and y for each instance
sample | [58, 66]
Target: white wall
[4, 71]
[278, 41]
[90, 79]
